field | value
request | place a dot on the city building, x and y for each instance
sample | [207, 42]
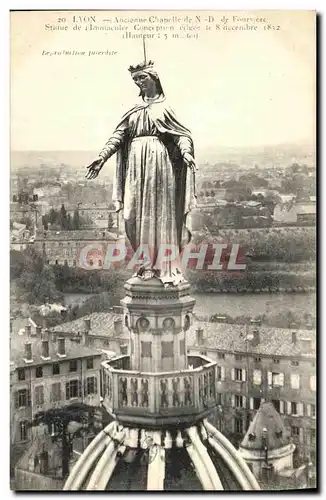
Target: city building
[104, 331]
[20, 237]
[75, 248]
[95, 212]
[306, 212]
[160, 398]
[47, 374]
[21, 211]
[292, 213]
[256, 364]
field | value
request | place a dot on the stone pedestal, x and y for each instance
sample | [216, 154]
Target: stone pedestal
[157, 384]
[157, 318]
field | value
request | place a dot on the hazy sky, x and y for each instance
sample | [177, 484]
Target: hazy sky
[230, 88]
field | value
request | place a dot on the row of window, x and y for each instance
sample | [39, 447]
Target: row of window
[74, 262]
[275, 379]
[288, 407]
[56, 369]
[73, 390]
[257, 359]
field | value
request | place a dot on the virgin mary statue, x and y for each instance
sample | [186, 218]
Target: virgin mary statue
[155, 178]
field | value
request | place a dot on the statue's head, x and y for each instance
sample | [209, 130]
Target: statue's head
[146, 82]
[146, 78]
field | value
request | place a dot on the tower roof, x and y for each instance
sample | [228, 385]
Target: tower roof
[268, 422]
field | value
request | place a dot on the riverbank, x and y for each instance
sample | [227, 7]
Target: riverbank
[277, 309]
[249, 281]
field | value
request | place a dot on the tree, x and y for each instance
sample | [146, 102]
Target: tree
[63, 217]
[53, 216]
[27, 221]
[45, 222]
[110, 221]
[65, 425]
[34, 280]
[69, 222]
[16, 264]
[86, 221]
[76, 220]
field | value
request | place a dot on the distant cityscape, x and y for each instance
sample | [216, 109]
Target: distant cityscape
[66, 322]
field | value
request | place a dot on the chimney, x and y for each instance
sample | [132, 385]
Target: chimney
[61, 346]
[28, 352]
[28, 330]
[45, 349]
[256, 322]
[87, 325]
[294, 337]
[256, 336]
[45, 323]
[220, 319]
[124, 349]
[118, 326]
[86, 330]
[306, 345]
[11, 322]
[38, 331]
[199, 336]
[48, 336]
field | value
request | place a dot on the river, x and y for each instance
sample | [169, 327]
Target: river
[254, 304]
[238, 304]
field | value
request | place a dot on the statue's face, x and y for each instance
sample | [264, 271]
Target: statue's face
[145, 82]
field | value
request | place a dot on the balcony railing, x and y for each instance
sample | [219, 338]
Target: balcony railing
[159, 397]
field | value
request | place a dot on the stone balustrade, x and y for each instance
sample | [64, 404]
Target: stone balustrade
[157, 398]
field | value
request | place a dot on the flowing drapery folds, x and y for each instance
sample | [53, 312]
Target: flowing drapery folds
[152, 181]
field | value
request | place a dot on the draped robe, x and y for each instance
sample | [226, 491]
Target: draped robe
[155, 186]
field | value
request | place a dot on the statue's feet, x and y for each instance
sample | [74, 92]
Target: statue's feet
[168, 280]
[146, 273]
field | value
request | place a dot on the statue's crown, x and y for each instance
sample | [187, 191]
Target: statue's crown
[141, 66]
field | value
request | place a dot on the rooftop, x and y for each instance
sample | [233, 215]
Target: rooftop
[306, 207]
[269, 420]
[87, 206]
[229, 337]
[101, 324]
[72, 350]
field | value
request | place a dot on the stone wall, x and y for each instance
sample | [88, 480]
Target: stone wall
[30, 481]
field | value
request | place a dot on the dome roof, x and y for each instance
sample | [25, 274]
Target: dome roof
[129, 459]
[266, 421]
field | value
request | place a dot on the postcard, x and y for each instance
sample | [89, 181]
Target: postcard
[163, 250]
